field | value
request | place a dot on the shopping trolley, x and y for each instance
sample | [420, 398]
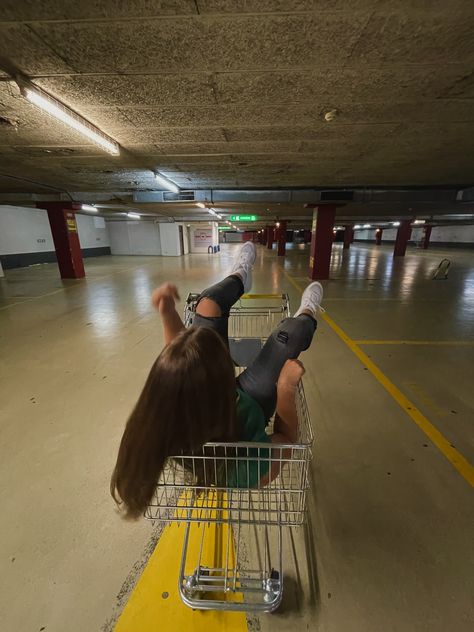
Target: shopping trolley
[232, 550]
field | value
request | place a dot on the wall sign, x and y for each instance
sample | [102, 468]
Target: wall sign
[202, 237]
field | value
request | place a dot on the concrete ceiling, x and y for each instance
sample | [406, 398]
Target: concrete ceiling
[221, 94]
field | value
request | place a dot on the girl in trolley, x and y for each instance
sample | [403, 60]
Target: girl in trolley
[192, 397]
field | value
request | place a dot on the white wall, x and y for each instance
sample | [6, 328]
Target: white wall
[169, 236]
[233, 237]
[138, 237]
[90, 235]
[444, 234]
[24, 230]
[461, 234]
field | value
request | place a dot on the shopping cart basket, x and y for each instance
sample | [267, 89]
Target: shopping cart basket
[210, 491]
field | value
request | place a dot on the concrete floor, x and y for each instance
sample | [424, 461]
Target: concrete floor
[390, 538]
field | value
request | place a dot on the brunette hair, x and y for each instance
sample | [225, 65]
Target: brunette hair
[188, 399]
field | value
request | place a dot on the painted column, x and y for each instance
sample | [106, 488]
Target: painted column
[403, 235]
[62, 220]
[269, 237]
[426, 236]
[348, 236]
[378, 236]
[282, 239]
[321, 241]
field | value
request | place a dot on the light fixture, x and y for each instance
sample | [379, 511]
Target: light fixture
[211, 211]
[395, 223]
[133, 215]
[219, 216]
[366, 226]
[89, 207]
[277, 224]
[166, 183]
[69, 117]
[357, 226]
[419, 221]
[201, 205]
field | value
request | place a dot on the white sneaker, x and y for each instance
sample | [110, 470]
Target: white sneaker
[243, 264]
[311, 299]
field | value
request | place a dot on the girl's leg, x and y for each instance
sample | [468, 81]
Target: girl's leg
[214, 304]
[287, 341]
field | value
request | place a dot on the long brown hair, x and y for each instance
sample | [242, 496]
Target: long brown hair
[188, 400]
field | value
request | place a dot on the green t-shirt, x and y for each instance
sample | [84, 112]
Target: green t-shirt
[251, 421]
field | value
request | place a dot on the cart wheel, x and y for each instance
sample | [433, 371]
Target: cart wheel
[190, 585]
[271, 586]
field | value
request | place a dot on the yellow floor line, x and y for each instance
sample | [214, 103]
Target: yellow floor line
[155, 603]
[461, 464]
[436, 343]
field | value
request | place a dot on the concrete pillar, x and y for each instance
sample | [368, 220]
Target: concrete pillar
[426, 236]
[348, 236]
[62, 221]
[321, 242]
[1, 271]
[269, 237]
[378, 236]
[402, 238]
[403, 235]
[281, 239]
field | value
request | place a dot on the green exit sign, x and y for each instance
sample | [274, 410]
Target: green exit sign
[243, 218]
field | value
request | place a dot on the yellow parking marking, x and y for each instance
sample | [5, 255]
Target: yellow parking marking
[458, 461]
[435, 343]
[155, 603]
[258, 296]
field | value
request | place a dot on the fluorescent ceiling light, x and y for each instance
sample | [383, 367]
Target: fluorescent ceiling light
[357, 226]
[395, 223]
[166, 183]
[68, 117]
[133, 215]
[89, 207]
[201, 205]
[211, 211]
[419, 221]
[219, 216]
[366, 226]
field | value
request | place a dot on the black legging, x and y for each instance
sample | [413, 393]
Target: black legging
[286, 342]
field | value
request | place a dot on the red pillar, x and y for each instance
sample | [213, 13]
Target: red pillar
[321, 242]
[403, 235]
[66, 240]
[426, 236]
[348, 237]
[378, 236]
[269, 237]
[282, 239]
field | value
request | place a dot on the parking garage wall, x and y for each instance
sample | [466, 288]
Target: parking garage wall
[25, 237]
[441, 236]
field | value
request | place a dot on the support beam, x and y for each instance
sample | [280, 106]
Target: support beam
[269, 237]
[403, 235]
[321, 242]
[62, 221]
[426, 236]
[378, 236]
[348, 236]
[281, 238]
